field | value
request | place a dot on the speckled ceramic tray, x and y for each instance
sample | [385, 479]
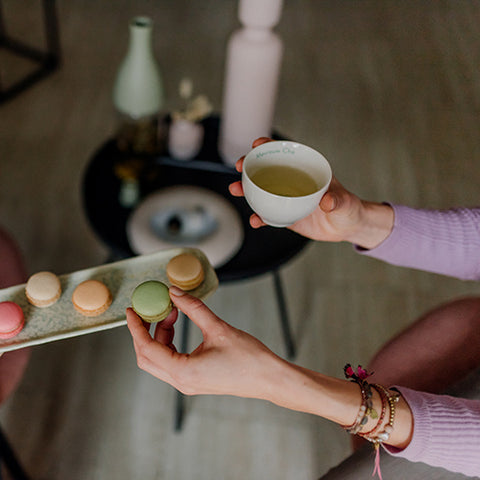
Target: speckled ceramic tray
[61, 320]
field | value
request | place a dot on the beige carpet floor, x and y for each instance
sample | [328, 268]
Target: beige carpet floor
[388, 90]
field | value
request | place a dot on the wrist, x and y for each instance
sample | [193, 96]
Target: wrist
[297, 388]
[374, 226]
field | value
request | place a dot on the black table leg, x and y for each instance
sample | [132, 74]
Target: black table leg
[7, 457]
[46, 60]
[180, 402]
[287, 334]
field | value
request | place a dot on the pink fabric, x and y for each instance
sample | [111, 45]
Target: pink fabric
[446, 429]
[12, 268]
[440, 241]
[446, 432]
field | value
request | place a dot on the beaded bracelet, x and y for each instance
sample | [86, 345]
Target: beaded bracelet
[384, 400]
[366, 408]
[362, 415]
[384, 435]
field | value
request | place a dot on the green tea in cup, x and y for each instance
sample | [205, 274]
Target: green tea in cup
[284, 181]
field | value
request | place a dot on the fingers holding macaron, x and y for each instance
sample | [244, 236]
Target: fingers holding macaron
[154, 355]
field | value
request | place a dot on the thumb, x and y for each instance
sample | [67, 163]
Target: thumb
[335, 197]
[194, 309]
[329, 202]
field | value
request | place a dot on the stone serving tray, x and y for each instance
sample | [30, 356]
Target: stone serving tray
[61, 320]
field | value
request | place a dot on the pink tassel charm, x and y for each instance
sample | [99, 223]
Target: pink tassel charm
[377, 462]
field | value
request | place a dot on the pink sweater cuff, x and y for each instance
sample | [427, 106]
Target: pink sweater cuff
[446, 432]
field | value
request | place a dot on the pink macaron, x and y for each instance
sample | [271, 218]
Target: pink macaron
[12, 319]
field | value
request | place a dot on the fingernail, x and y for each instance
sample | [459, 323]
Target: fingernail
[177, 292]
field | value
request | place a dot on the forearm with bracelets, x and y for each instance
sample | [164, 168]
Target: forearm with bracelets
[343, 402]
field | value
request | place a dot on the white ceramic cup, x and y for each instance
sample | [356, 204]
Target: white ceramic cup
[278, 210]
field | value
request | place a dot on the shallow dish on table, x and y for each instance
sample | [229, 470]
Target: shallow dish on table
[61, 320]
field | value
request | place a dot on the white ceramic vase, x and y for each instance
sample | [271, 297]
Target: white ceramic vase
[138, 89]
[138, 93]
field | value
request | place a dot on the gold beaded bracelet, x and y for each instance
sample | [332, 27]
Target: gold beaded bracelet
[384, 435]
[366, 409]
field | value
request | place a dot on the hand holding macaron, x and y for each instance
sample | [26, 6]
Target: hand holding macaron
[228, 361]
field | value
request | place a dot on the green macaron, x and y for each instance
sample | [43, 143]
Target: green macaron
[151, 301]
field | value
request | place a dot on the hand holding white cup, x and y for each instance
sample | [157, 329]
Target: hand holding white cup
[284, 181]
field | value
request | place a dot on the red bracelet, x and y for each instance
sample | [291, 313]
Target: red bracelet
[384, 399]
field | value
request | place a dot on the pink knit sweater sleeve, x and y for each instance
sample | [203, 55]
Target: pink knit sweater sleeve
[446, 429]
[440, 241]
[446, 432]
